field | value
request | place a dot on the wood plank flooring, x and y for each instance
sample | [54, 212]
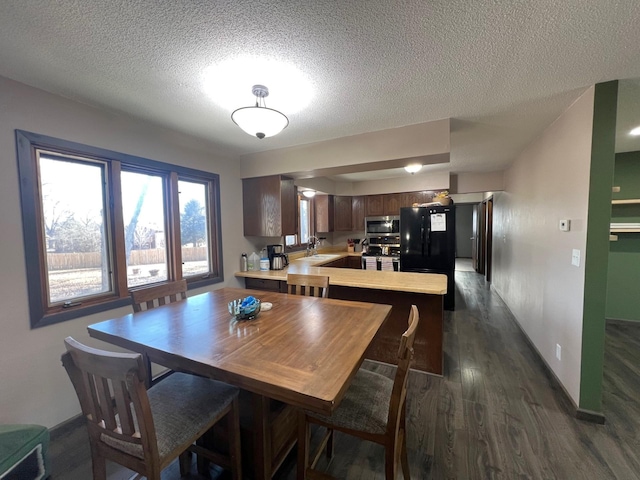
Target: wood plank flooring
[493, 415]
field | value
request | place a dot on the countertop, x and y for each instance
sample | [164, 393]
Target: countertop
[430, 283]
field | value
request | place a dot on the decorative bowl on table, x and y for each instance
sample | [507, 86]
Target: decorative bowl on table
[246, 308]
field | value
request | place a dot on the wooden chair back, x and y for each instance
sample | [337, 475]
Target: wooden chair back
[152, 297]
[405, 357]
[393, 438]
[308, 285]
[108, 385]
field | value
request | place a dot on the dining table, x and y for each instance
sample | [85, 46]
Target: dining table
[301, 353]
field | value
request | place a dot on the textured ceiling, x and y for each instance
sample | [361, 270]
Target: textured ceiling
[501, 69]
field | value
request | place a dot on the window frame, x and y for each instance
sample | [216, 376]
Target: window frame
[312, 220]
[27, 146]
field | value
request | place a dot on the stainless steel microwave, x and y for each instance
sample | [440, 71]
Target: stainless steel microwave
[383, 225]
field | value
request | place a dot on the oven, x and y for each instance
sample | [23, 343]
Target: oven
[382, 243]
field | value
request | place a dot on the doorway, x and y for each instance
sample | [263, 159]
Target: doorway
[483, 237]
[464, 237]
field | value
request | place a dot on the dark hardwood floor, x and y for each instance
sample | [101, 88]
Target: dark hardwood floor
[494, 414]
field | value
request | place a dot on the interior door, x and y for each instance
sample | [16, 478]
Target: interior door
[482, 245]
[489, 236]
[474, 237]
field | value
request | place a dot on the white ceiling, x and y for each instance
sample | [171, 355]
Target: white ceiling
[502, 70]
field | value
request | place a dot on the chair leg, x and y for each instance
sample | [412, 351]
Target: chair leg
[147, 367]
[185, 463]
[202, 463]
[99, 467]
[402, 438]
[303, 445]
[233, 419]
[330, 444]
[403, 456]
[390, 459]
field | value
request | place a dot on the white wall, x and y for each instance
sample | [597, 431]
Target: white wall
[34, 386]
[426, 142]
[532, 268]
[477, 182]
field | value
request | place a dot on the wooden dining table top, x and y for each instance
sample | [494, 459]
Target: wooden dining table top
[304, 351]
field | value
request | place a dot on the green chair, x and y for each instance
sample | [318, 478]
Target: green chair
[23, 452]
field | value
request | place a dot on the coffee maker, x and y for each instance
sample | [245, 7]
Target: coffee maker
[277, 258]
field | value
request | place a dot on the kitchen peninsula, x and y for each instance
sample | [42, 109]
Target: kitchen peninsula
[399, 289]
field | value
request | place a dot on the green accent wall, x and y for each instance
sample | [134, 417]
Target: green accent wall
[623, 279]
[597, 250]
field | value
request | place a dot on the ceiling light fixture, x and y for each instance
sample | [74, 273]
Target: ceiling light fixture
[309, 193]
[260, 120]
[413, 168]
[635, 132]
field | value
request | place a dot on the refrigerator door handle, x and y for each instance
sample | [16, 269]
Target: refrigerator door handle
[422, 235]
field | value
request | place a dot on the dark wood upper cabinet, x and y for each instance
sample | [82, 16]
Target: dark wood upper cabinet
[357, 213]
[392, 203]
[409, 198]
[269, 206]
[375, 205]
[343, 221]
[324, 213]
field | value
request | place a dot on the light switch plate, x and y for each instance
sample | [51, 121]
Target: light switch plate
[564, 225]
[575, 257]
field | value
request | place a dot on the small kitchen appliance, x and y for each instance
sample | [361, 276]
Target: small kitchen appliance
[277, 258]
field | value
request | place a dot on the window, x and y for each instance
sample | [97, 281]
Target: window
[77, 261]
[98, 223]
[194, 218]
[143, 214]
[305, 220]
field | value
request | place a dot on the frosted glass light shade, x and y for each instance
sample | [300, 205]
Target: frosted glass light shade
[309, 193]
[260, 121]
[635, 132]
[413, 168]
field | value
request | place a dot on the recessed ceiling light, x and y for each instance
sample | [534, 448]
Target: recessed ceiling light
[228, 82]
[635, 132]
[413, 168]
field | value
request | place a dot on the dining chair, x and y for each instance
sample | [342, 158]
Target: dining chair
[146, 430]
[309, 285]
[152, 297]
[373, 408]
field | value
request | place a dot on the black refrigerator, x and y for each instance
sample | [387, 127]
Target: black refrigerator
[428, 244]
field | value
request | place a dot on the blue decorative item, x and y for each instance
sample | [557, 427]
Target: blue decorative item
[245, 308]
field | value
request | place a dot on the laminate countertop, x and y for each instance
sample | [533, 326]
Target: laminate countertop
[429, 283]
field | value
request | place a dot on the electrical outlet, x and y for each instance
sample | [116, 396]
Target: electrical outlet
[558, 351]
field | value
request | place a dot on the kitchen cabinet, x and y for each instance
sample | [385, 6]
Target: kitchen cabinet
[357, 213]
[339, 263]
[354, 262]
[265, 284]
[392, 203]
[342, 208]
[374, 205]
[269, 206]
[324, 205]
[409, 198]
